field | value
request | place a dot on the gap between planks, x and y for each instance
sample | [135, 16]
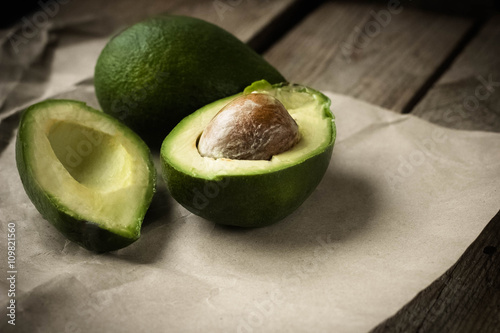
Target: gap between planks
[468, 36]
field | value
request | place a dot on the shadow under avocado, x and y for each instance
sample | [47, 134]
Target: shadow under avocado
[155, 233]
[341, 206]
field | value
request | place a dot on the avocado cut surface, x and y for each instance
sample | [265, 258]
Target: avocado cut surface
[158, 71]
[251, 193]
[88, 174]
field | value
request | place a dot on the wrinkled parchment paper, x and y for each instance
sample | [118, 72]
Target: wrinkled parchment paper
[401, 201]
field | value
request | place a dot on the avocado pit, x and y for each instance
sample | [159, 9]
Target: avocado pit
[251, 127]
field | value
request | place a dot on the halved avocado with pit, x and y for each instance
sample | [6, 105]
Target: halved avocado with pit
[251, 193]
[86, 173]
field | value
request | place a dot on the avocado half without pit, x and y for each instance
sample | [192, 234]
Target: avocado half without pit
[250, 159]
[88, 174]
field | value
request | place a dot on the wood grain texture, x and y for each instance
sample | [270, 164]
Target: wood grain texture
[464, 299]
[342, 47]
[243, 18]
[467, 96]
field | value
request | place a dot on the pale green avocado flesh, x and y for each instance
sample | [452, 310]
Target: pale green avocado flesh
[251, 193]
[85, 172]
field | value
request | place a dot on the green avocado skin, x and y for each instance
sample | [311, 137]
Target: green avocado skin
[77, 229]
[255, 201]
[158, 71]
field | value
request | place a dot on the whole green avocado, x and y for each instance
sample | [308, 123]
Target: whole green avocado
[156, 72]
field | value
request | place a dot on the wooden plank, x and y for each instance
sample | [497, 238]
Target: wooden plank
[243, 18]
[377, 53]
[464, 299]
[467, 96]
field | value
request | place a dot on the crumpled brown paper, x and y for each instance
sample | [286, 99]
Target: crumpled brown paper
[400, 202]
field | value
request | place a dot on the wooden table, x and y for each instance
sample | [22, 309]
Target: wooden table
[408, 58]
